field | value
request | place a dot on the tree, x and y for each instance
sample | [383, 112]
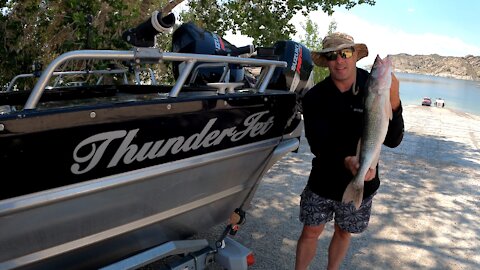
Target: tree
[206, 14]
[332, 27]
[313, 42]
[38, 31]
[266, 21]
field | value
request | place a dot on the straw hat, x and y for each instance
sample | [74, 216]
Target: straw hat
[335, 42]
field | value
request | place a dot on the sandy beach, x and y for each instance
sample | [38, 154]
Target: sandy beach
[425, 215]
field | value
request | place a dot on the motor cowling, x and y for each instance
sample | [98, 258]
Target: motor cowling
[189, 38]
[296, 77]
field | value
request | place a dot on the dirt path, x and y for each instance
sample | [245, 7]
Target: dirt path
[425, 215]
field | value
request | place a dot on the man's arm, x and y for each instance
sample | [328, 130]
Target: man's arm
[396, 126]
[395, 93]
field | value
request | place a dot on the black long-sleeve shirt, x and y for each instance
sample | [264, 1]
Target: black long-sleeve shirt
[334, 123]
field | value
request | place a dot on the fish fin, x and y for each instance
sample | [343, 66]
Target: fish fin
[354, 194]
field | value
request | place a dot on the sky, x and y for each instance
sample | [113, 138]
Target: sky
[444, 27]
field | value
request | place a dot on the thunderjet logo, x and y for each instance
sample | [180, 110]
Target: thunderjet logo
[94, 147]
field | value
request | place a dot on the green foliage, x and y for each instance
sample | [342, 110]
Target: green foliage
[313, 41]
[40, 30]
[206, 14]
[332, 27]
[266, 21]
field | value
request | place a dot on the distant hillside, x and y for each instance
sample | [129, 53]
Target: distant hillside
[467, 68]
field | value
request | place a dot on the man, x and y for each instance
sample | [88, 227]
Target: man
[333, 111]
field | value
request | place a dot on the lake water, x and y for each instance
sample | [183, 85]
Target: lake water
[461, 95]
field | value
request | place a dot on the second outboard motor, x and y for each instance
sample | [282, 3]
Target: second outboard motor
[296, 76]
[189, 38]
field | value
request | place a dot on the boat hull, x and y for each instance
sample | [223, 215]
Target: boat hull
[94, 184]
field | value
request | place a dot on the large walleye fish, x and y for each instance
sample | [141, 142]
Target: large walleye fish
[378, 111]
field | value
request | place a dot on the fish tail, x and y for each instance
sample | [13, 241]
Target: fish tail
[353, 193]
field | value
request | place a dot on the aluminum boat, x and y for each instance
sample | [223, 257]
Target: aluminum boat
[93, 173]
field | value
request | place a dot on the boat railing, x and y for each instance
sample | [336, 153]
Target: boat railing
[60, 74]
[153, 56]
[207, 65]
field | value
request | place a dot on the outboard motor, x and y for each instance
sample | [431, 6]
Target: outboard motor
[296, 76]
[189, 38]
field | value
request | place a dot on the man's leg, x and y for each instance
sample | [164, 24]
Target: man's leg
[307, 246]
[315, 212]
[338, 248]
[347, 221]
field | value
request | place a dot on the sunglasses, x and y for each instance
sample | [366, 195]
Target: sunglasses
[344, 53]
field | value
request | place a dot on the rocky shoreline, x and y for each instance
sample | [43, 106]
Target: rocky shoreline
[465, 68]
[443, 75]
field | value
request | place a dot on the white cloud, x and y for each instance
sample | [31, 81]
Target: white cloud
[380, 39]
[384, 40]
[320, 18]
[238, 39]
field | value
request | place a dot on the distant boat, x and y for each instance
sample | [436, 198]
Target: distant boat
[439, 102]
[426, 101]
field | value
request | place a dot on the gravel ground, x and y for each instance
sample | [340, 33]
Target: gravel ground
[425, 215]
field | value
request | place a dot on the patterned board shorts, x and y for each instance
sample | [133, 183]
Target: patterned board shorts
[316, 210]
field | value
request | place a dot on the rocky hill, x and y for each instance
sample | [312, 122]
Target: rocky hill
[467, 68]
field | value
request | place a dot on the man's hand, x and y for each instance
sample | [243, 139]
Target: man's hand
[352, 164]
[395, 93]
